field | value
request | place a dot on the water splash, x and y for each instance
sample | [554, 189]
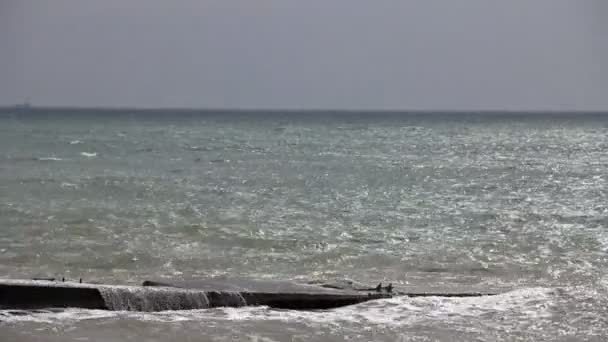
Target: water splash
[152, 299]
[227, 299]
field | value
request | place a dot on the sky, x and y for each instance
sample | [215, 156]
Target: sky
[312, 54]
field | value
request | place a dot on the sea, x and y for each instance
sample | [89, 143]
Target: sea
[509, 203]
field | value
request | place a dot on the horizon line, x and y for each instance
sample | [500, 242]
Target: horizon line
[20, 107]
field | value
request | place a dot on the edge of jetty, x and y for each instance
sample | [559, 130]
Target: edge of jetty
[46, 294]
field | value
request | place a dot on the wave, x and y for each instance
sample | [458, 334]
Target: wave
[88, 154]
[49, 159]
[518, 305]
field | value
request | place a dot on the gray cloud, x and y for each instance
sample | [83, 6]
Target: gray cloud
[467, 54]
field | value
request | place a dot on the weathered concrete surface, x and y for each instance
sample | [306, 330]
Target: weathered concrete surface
[52, 294]
[340, 287]
[160, 296]
[308, 301]
[34, 296]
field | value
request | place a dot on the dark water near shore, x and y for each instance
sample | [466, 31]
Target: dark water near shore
[501, 202]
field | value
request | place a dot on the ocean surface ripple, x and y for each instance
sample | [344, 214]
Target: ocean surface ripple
[515, 205]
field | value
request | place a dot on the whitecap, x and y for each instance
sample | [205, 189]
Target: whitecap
[75, 142]
[88, 154]
[67, 185]
[49, 159]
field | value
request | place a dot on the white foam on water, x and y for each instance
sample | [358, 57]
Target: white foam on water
[533, 303]
[54, 316]
[49, 159]
[67, 185]
[523, 305]
[88, 154]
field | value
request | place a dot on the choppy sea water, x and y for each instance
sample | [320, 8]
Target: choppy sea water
[515, 204]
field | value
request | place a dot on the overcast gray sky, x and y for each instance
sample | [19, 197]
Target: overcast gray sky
[341, 54]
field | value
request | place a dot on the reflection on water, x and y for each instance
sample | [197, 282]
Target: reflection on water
[508, 203]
